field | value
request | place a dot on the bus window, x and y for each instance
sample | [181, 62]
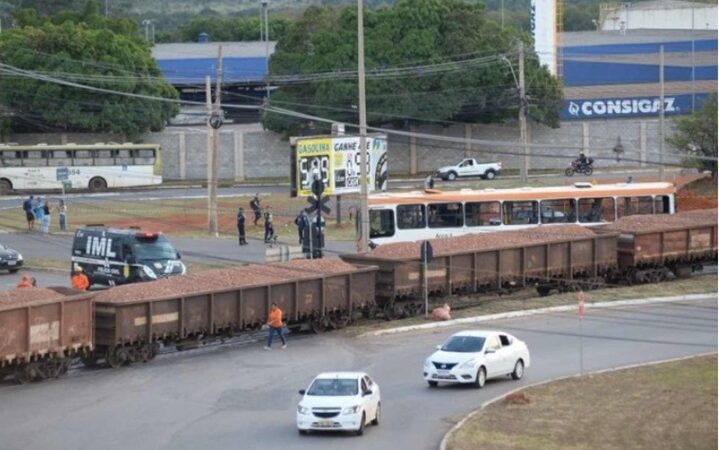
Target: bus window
[445, 215]
[520, 213]
[381, 223]
[83, 158]
[661, 204]
[592, 210]
[482, 214]
[104, 158]
[143, 156]
[59, 158]
[410, 217]
[559, 211]
[11, 159]
[631, 206]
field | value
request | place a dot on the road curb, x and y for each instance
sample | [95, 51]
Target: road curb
[531, 312]
[458, 425]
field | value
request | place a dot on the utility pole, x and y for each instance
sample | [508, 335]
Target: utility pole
[364, 208]
[502, 8]
[523, 117]
[266, 7]
[213, 159]
[661, 113]
[106, 9]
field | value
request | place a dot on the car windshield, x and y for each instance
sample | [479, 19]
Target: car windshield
[463, 344]
[153, 250]
[333, 387]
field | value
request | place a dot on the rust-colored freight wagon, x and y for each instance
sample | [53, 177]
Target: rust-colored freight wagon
[132, 320]
[41, 330]
[651, 246]
[553, 257]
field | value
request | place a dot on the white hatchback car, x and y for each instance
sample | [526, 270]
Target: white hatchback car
[339, 401]
[475, 356]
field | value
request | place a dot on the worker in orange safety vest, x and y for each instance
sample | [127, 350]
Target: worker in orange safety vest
[79, 280]
[24, 282]
[274, 321]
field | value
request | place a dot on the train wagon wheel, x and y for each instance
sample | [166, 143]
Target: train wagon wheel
[89, 360]
[318, 325]
[390, 312]
[116, 357]
[23, 374]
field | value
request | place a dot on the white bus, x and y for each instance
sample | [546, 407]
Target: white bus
[96, 167]
[413, 216]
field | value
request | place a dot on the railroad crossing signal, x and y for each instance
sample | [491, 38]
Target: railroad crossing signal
[322, 205]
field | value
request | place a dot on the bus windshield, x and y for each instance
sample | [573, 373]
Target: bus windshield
[158, 249]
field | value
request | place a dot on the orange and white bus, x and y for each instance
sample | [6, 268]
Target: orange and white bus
[413, 216]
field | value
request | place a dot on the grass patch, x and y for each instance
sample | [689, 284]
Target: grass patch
[188, 217]
[665, 406]
[528, 299]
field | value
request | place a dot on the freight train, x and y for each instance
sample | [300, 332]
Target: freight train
[43, 330]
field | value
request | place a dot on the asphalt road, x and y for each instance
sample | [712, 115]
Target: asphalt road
[44, 278]
[15, 201]
[244, 397]
[209, 251]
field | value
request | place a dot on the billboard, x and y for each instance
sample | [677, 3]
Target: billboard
[543, 24]
[610, 108]
[336, 161]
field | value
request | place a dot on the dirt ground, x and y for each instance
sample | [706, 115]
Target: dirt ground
[666, 406]
[699, 194]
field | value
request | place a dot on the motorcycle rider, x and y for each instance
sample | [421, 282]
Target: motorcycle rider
[582, 160]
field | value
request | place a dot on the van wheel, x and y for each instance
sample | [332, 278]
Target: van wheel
[97, 184]
[5, 186]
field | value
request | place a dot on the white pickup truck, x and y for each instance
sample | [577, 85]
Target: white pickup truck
[469, 167]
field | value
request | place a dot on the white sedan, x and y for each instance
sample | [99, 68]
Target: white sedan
[475, 356]
[339, 401]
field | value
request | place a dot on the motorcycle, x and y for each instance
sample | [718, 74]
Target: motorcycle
[576, 166]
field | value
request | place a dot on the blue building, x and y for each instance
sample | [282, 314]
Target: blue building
[615, 74]
[186, 66]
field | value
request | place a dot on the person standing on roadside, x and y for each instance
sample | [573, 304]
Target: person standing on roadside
[79, 280]
[255, 207]
[46, 217]
[39, 211]
[302, 222]
[274, 321]
[62, 214]
[241, 226]
[269, 225]
[24, 283]
[27, 206]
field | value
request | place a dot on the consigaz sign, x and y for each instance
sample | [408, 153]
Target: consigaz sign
[608, 108]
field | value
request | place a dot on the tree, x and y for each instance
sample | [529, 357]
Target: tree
[450, 59]
[696, 135]
[91, 54]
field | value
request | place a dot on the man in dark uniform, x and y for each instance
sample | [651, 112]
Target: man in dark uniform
[302, 222]
[255, 206]
[241, 226]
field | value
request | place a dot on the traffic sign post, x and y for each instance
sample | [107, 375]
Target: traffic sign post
[427, 254]
[581, 297]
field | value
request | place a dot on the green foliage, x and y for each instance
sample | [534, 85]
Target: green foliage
[413, 33]
[224, 29]
[90, 54]
[696, 135]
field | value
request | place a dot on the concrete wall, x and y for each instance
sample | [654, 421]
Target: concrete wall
[248, 152]
[701, 17]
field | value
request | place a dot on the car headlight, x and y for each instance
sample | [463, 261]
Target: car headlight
[149, 272]
[303, 409]
[468, 364]
[351, 410]
[184, 268]
[19, 256]
[428, 363]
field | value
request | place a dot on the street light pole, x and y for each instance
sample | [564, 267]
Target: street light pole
[362, 106]
[523, 173]
[266, 8]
